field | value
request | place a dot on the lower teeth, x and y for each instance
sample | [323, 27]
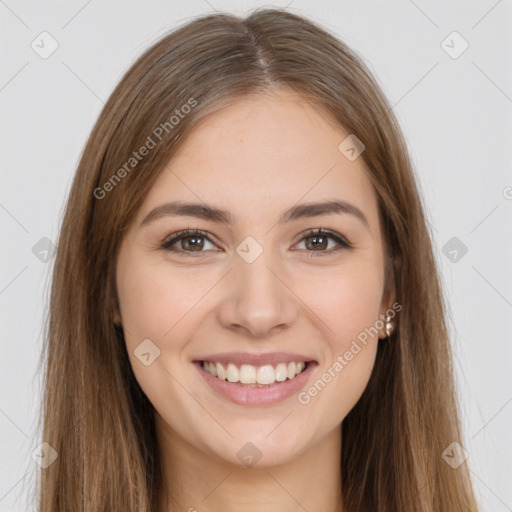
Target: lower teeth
[255, 385]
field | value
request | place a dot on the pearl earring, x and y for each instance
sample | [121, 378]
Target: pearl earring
[390, 326]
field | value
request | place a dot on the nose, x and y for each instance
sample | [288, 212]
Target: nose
[259, 301]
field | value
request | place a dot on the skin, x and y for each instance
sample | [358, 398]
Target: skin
[256, 158]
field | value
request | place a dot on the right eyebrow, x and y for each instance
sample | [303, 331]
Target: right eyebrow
[177, 208]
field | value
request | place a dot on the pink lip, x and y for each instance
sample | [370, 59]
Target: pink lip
[239, 358]
[257, 396]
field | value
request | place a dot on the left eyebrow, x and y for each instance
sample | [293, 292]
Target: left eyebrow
[324, 208]
[211, 213]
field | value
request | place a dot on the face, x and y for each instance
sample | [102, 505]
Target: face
[257, 291]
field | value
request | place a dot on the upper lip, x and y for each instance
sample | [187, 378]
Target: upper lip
[239, 358]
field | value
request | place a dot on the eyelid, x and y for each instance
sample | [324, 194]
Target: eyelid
[342, 241]
[185, 233]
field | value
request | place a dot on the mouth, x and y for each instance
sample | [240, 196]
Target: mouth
[255, 380]
[251, 376]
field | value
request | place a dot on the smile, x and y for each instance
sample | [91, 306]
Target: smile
[249, 375]
[255, 379]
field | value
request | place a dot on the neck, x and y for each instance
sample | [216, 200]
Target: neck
[196, 482]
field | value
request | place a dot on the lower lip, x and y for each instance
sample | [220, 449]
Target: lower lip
[272, 394]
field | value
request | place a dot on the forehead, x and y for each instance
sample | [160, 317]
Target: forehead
[262, 154]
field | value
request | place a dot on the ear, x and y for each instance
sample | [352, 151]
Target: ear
[112, 299]
[116, 317]
[390, 293]
[114, 311]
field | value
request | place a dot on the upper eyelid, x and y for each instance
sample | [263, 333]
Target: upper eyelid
[184, 233]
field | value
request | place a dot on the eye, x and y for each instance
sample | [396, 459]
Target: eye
[191, 240]
[320, 241]
[194, 241]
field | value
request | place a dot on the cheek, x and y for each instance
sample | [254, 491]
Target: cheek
[153, 300]
[154, 304]
[348, 305]
[348, 302]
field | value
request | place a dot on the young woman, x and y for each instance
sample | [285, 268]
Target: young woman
[246, 312]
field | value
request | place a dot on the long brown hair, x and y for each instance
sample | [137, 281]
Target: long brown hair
[96, 416]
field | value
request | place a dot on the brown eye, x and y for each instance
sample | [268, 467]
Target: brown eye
[194, 243]
[317, 242]
[187, 241]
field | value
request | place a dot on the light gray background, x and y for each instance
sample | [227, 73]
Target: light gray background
[457, 118]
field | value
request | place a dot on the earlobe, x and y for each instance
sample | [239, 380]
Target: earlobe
[113, 306]
[116, 317]
[117, 320]
[389, 314]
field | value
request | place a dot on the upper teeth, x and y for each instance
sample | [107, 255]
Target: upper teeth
[249, 374]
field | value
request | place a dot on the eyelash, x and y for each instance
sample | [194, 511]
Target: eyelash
[189, 233]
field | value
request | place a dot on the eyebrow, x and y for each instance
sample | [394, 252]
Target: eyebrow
[211, 213]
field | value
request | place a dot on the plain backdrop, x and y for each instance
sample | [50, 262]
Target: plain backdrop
[454, 105]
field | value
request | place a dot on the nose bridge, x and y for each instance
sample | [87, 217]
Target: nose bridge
[259, 283]
[258, 300]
